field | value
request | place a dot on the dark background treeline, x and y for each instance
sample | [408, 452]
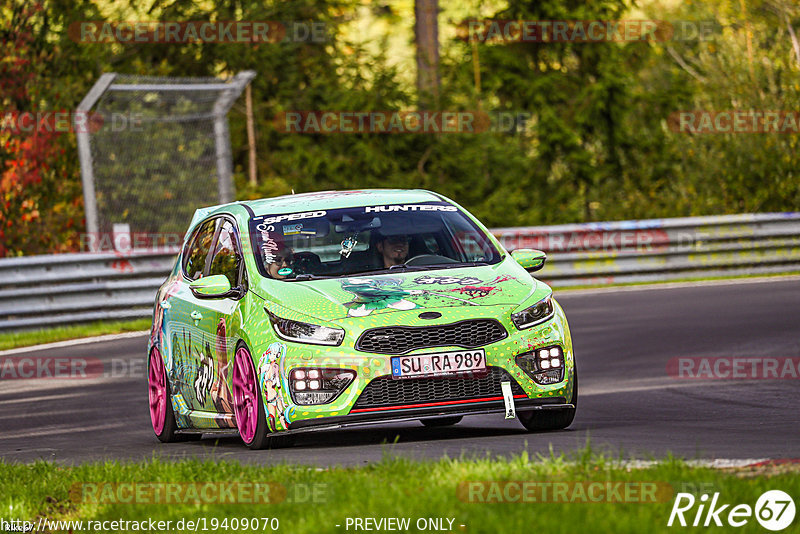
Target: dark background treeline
[599, 145]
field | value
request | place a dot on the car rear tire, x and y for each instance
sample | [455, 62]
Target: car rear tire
[442, 421]
[555, 419]
[161, 415]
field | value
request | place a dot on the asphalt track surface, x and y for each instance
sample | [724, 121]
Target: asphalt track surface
[629, 406]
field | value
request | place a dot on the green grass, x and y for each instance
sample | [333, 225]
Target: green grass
[12, 340]
[392, 488]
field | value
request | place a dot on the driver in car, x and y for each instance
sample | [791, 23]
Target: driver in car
[393, 249]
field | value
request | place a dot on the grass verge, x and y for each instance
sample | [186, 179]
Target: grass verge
[13, 340]
[313, 500]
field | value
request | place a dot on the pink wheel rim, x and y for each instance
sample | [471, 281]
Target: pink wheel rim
[245, 395]
[157, 379]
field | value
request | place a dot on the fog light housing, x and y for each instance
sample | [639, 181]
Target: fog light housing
[545, 365]
[309, 386]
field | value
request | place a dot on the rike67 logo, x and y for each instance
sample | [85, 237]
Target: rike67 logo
[774, 510]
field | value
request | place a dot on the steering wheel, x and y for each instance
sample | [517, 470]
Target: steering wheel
[429, 259]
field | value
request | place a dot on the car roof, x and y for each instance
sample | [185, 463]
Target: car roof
[319, 200]
[339, 199]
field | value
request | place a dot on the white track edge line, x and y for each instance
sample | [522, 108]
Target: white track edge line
[73, 342]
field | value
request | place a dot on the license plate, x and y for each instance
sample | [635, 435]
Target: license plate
[440, 363]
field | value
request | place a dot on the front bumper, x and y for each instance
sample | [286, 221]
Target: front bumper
[413, 413]
[369, 367]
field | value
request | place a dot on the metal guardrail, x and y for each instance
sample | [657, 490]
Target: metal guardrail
[60, 289]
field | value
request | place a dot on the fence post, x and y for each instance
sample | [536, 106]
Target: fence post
[85, 150]
[222, 140]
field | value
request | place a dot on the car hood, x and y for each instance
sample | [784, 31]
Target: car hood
[362, 295]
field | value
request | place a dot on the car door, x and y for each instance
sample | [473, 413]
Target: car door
[218, 321]
[185, 319]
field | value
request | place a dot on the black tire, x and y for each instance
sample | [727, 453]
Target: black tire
[243, 355]
[262, 438]
[556, 419]
[442, 421]
[169, 431]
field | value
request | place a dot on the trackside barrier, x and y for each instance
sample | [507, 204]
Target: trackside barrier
[61, 289]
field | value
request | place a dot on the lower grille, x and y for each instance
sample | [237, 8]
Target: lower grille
[386, 391]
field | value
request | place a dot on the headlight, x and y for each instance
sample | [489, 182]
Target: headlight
[538, 313]
[305, 332]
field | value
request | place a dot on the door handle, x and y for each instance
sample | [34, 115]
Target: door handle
[165, 304]
[196, 315]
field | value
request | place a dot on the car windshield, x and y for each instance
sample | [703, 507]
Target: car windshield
[347, 241]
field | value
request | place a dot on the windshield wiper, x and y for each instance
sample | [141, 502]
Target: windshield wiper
[305, 277]
[404, 267]
[468, 264]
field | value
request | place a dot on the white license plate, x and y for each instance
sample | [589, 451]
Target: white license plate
[440, 363]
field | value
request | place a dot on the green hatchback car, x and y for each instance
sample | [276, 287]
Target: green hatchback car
[325, 310]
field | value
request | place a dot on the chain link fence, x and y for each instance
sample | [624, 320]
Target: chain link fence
[152, 150]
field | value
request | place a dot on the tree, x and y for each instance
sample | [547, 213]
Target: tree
[426, 30]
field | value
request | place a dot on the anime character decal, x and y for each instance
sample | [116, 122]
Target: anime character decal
[381, 293]
[181, 380]
[221, 395]
[159, 331]
[376, 294]
[270, 371]
[205, 375]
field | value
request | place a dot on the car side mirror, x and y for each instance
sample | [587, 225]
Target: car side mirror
[216, 286]
[530, 259]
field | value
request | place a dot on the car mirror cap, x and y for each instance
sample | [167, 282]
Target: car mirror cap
[530, 259]
[213, 287]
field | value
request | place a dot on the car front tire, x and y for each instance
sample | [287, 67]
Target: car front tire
[555, 419]
[442, 421]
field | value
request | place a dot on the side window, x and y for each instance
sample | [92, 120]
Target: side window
[226, 254]
[196, 254]
[472, 245]
[432, 244]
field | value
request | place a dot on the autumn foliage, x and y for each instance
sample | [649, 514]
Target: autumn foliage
[40, 203]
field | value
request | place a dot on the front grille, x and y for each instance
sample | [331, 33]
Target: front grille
[386, 391]
[401, 339]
